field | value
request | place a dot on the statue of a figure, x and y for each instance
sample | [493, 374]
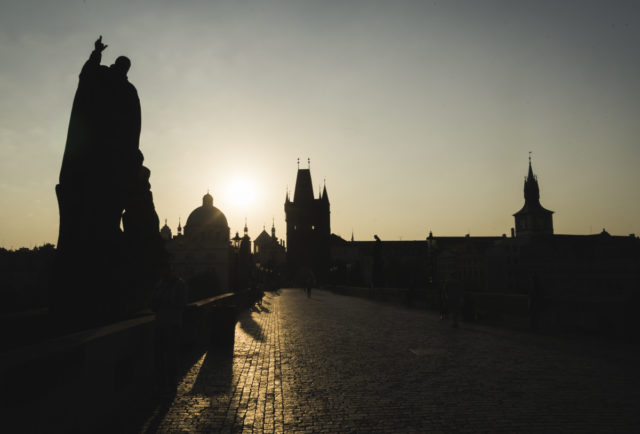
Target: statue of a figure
[101, 178]
[101, 155]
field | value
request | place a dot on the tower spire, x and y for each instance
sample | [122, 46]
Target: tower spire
[530, 175]
[533, 218]
[531, 188]
[246, 229]
[325, 196]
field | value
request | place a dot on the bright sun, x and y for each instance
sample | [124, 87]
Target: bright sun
[241, 192]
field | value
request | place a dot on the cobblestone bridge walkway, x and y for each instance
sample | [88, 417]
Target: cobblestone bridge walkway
[331, 363]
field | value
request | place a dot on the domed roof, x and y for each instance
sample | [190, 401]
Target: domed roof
[206, 215]
[165, 232]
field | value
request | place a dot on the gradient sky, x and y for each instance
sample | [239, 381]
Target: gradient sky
[419, 114]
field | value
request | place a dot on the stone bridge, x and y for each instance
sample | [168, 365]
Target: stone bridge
[332, 363]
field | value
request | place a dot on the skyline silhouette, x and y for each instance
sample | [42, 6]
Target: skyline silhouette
[124, 327]
[415, 113]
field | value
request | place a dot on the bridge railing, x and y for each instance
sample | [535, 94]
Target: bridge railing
[68, 383]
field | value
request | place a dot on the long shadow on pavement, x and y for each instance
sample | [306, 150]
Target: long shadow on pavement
[215, 375]
[149, 407]
[251, 327]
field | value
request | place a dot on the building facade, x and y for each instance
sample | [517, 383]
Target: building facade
[268, 251]
[201, 255]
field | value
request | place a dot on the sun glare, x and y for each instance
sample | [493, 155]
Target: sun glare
[241, 192]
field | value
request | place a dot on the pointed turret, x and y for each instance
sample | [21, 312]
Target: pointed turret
[325, 196]
[304, 188]
[533, 218]
[531, 188]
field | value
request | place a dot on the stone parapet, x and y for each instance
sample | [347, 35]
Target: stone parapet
[70, 383]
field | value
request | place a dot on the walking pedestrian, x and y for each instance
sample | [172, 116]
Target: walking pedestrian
[442, 300]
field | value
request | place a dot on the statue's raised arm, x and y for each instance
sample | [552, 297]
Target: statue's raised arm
[99, 46]
[93, 63]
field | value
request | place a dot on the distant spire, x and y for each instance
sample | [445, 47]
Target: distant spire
[532, 209]
[325, 196]
[179, 226]
[165, 222]
[530, 175]
[352, 235]
[309, 163]
[298, 163]
[531, 188]
[246, 229]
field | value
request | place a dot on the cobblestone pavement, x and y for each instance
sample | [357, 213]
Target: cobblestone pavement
[331, 363]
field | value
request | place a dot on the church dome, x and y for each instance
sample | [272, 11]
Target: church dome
[206, 218]
[165, 232]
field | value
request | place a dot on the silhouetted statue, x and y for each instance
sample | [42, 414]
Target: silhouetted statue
[101, 177]
[101, 155]
[378, 276]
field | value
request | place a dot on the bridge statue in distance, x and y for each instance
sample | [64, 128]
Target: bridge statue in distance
[102, 272]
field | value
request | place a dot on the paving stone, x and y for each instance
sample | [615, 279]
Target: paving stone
[332, 363]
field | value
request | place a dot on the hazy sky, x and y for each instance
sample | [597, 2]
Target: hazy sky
[419, 114]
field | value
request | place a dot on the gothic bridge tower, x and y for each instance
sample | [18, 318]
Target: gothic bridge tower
[533, 218]
[308, 228]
